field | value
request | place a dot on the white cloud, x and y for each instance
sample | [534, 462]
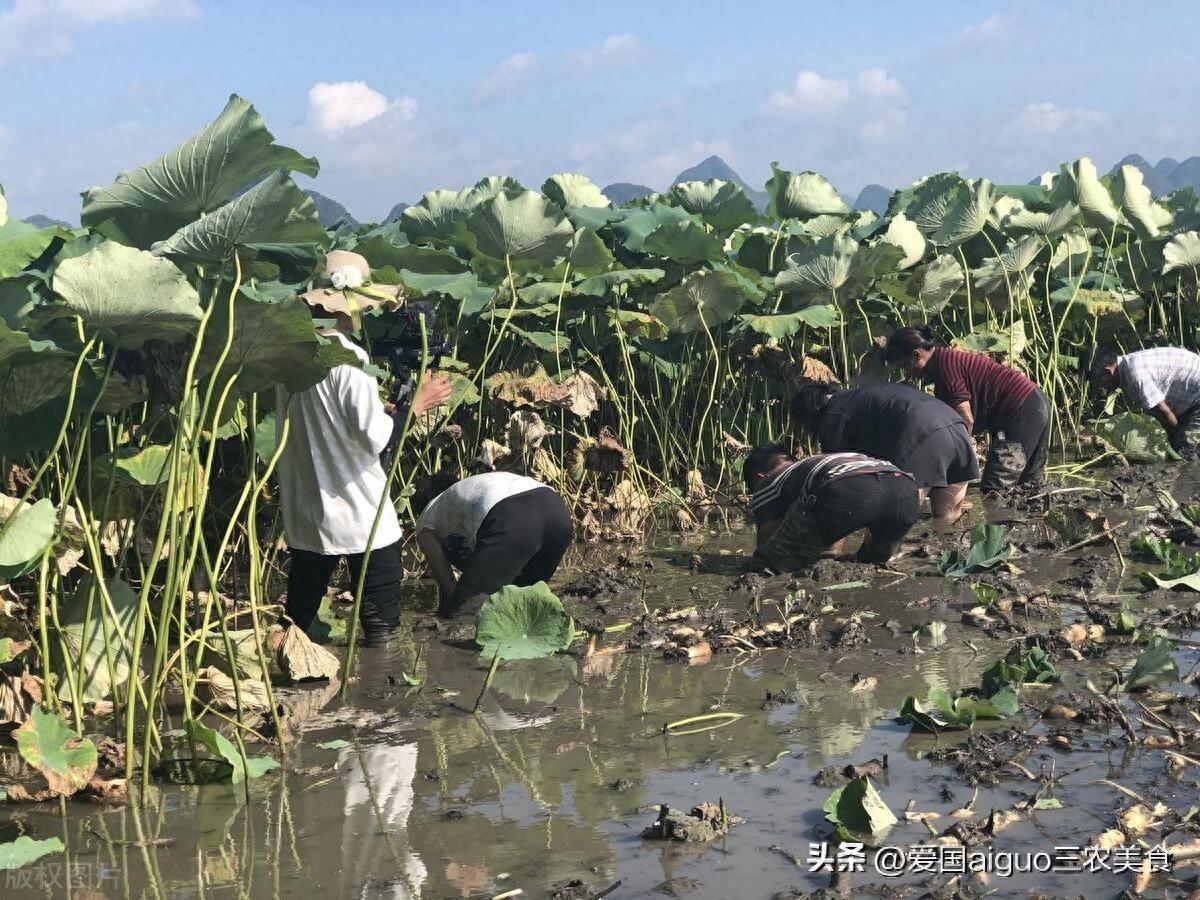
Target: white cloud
[887, 126]
[614, 50]
[814, 95]
[993, 26]
[335, 107]
[507, 78]
[48, 27]
[1045, 118]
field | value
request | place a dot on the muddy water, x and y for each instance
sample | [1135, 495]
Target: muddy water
[557, 778]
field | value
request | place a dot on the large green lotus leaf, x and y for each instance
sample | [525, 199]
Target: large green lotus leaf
[637, 223]
[935, 282]
[928, 201]
[702, 299]
[823, 266]
[1070, 255]
[989, 547]
[24, 850]
[64, 759]
[1182, 252]
[465, 288]
[904, 233]
[523, 623]
[128, 295]
[274, 211]
[524, 227]
[21, 244]
[593, 217]
[1034, 197]
[18, 298]
[1007, 340]
[638, 324]
[684, 242]
[30, 384]
[438, 215]
[24, 537]
[545, 341]
[858, 808]
[151, 202]
[382, 250]
[570, 190]
[1137, 437]
[783, 325]
[223, 748]
[587, 254]
[1135, 201]
[998, 273]
[273, 343]
[114, 611]
[766, 250]
[601, 285]
[1078, 183]
[968, 215]
[823, 226]
[148, 466]
[1014, 218]
[1154, 664]
[866, 224]
[1096, 301]
[17, 348]
[721, 204]
[802, 196]
[943, 711]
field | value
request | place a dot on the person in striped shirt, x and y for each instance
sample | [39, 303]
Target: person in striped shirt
[1163, 381]
[805, 508]
[989, 397]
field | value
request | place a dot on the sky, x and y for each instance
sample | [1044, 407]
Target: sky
[399, 98]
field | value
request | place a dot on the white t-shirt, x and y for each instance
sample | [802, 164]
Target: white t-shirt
[1148, 377]
[456, 513]
[330, 477]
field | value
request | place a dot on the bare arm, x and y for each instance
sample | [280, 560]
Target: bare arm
[964, 410]
[435, 555]
[1166, 415]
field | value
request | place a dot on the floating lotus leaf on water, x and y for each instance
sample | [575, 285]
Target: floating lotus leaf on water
[540, 681]
[1137, 437]
[89, 638]
[702, 300]
[24, 537]
[989, 547]
[1182, 252]
[274, 211]
[784, 325]
[1078, 183]
[128, 295]
[967, 215]
[1021, 665]
[523, 227]
[685, 242]
[857, 808]
[568, 189]
[721, 204]
[24, 850]
[943, 711]
[802, 195]
[1155, 664]
[224, 749]
[523, 623]
[153, 201]
[1135, 201]
[64, 759]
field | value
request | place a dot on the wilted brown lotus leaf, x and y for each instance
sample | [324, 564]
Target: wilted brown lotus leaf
[302, 660]
[447, 435]
[544, 467]
[734, 447]
[605, 455]
[219, 687]
[579, 392]
[697, 490]
[526, 431]
[808, 368]
[490, 453]
[18, 695]
[631, 507]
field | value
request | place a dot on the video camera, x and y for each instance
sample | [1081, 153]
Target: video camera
[405, 350]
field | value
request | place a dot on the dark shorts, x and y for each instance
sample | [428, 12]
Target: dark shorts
[1017, 449]
[886, 505]
[521, 541]
[943, 457]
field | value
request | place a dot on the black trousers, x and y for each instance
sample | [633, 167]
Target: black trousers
[308, 579]
[521, 541]
[1018, 448]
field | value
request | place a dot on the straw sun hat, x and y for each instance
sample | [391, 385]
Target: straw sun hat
[344, 287]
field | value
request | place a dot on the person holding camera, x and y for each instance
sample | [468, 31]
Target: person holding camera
[331, 480]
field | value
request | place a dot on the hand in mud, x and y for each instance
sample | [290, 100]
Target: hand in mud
[433, 392]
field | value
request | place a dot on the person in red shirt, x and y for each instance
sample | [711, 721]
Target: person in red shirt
[989, 396]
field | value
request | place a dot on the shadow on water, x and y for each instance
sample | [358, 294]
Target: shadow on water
[413, 796]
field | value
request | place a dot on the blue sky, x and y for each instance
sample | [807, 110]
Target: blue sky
[398, 98]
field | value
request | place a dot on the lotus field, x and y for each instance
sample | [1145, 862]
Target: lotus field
[626, 355]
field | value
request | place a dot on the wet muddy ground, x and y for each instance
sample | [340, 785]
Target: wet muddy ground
[398, 791]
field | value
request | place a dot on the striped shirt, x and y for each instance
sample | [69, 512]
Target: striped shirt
[807, 476]
[1148, 377]
[995, 392]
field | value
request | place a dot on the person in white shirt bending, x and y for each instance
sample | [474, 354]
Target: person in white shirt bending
[1163, 381]
[331, 480]
[497, 528]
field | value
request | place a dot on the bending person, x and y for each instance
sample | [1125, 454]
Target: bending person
[497, 528]
[989, 397]
[910, 429]
[1163, 381]
[804, 509]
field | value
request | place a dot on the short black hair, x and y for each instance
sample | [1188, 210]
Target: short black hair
[762, 459]
[905, 340]
[809, 402]
[1095, 361]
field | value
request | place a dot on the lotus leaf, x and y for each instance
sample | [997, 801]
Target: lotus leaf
[857, 808]
[1182, 252]
[523, 227]
[684, 242]
[1135, 201]
[703, 300]
[24, 850]
[721, 204]
[64, 759]
[570, 190]
[1154, 664]
[967, 215]
[1078, 183]
[24, 537]
[802, 196]
[783, 325]
[1137, 437]
[223, 749]
[989, 547]
[523, 623]
[110, 624]
[21, 244]
[904, 233]
[942, 711]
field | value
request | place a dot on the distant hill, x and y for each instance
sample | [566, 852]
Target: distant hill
[874, 197]
[715, 167]
[395, 213]
[1167, 174]
[622, 192]
[329, 211]
[37, 220]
